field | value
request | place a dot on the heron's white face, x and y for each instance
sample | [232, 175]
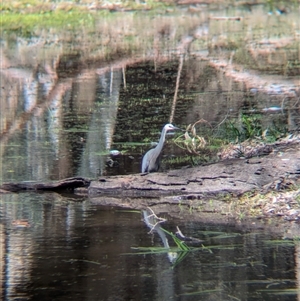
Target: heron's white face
[169, 127]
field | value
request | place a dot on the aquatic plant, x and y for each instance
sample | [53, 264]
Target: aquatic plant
[182, 246]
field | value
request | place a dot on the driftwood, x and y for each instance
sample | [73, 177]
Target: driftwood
[66, 184]
[235, 176]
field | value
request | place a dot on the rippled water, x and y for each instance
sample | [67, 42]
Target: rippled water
[63, 248]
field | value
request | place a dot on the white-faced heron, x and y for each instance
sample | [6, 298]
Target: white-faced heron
[151, 159]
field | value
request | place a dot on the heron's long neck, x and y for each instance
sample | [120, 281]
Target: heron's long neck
[161, 140]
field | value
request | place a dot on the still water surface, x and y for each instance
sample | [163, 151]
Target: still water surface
[61, 117]
[73, 250]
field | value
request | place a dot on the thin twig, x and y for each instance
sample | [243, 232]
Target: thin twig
[159, 220]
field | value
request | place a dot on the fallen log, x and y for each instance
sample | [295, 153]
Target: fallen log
[236, 176]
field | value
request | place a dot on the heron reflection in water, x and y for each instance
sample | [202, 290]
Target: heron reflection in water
[151, 160]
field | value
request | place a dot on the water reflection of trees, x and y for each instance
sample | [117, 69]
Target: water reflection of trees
[47, 124]
[59, 119]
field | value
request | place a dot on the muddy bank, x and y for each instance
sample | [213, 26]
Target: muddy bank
[232, 189]
[209, 213]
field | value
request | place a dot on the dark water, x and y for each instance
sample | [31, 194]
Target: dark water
[73, 250]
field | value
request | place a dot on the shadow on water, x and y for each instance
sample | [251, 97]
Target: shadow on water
[55, 247]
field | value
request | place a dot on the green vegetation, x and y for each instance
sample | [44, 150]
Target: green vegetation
[246, 132]
[28, 18]
[250, 127]
[180, 244]
[30, 24]
[182, 249]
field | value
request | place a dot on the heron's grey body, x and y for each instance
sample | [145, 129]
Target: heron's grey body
[151, 159]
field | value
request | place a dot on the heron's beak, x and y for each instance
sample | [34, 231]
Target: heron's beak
[178, 129]
[172, 131]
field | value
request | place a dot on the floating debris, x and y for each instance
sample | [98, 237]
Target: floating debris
[114, 152]
[21, 223]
